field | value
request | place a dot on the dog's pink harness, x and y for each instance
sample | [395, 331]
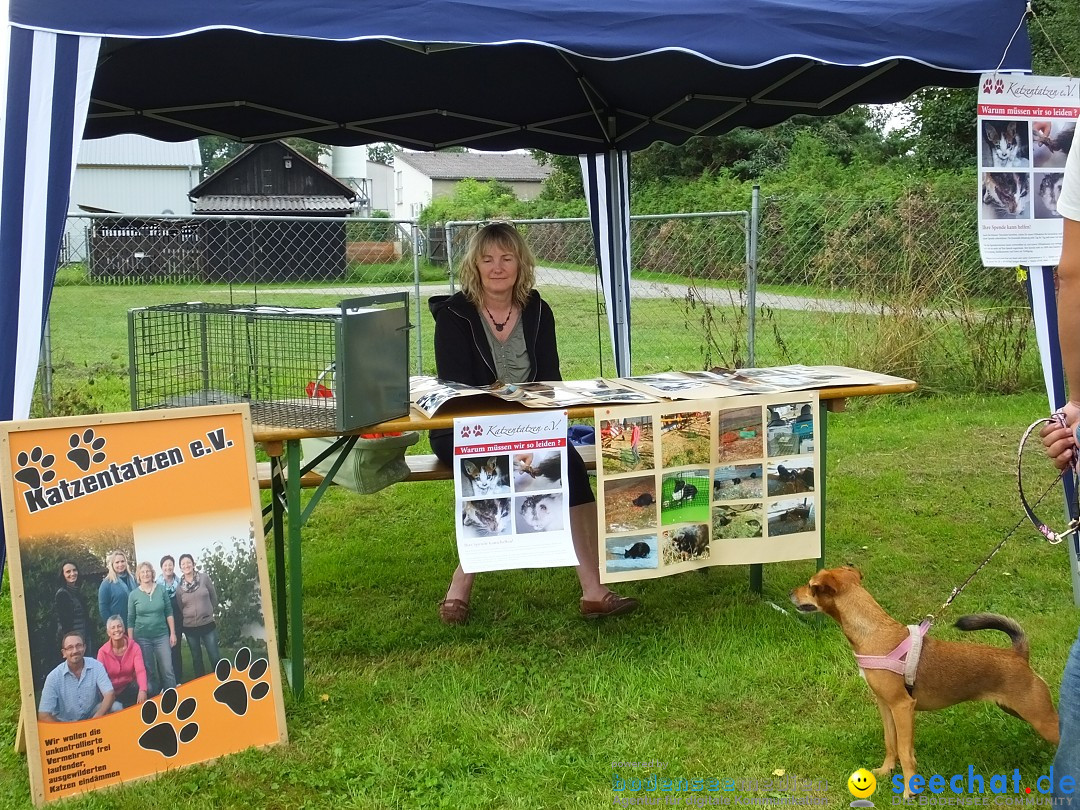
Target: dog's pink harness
[904, 660]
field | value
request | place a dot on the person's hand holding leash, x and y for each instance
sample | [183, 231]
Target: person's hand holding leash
[1058, 436]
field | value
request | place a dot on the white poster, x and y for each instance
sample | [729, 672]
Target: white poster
[510, 483]
[1025, 129]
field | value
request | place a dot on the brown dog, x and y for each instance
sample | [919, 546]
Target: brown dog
[949, 672]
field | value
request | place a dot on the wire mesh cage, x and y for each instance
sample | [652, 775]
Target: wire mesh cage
[328, 369]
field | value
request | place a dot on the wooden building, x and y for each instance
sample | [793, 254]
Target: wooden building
[275, 182]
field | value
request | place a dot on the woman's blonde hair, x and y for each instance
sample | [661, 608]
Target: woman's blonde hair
[506, 237]
[110, 573]
[141, 566]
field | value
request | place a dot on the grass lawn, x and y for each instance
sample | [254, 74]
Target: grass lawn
[528, 706]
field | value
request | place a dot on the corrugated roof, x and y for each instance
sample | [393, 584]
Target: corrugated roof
[243, 204]
[508, 167]
[137, 150]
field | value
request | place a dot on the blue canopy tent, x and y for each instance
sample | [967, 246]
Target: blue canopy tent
[597, 78]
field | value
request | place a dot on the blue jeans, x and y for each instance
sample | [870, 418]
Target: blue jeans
[1067, 760]
[157, 656]
[197, 638]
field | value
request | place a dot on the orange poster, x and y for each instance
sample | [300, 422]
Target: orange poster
[140, 593]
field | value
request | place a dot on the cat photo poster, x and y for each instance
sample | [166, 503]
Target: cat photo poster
[1025, 129]
[510, 486]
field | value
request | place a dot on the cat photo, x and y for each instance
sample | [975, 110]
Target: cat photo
[485, 518]
[540, 513]
[1006, 195]
[630, 553]
[1046, 201]
[537, 470]
[1051, 141]
[1005, 144]
[484, 476]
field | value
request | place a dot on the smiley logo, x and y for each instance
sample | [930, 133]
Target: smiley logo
[861, 784]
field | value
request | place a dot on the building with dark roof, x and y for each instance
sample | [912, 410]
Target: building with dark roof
[273, 180]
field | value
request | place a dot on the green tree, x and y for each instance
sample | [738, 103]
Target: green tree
[1054, 30]
[941, 133]
[234, 569]
[473, 199]
[216, 152]
[381, 153]
[743, 153]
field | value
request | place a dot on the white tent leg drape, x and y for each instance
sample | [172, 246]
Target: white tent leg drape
[607, 191]
[49, 80]
[49, 83]
[1044, 311]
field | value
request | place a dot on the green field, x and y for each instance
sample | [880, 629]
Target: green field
[528, 706]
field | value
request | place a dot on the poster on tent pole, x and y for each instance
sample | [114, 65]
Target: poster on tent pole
[123, 675]
[1025, 128]
[685, 485]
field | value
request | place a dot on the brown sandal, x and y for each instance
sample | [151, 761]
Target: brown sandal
[453, 611]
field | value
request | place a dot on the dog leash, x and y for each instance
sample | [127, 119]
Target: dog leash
[1058, 418]
[1044, 529]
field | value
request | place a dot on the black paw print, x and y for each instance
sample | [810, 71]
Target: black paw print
[234, 694]
[89, 452]
[163, 737]
[38, 474]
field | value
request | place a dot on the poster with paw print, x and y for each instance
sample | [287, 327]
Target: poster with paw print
[140, 594]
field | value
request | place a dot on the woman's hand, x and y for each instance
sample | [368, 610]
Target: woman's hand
[1060, 441]
[141, 697]
[172, 639]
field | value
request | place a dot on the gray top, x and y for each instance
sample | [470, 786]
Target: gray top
[512, 357]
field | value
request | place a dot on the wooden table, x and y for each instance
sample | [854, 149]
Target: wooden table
[282, 444]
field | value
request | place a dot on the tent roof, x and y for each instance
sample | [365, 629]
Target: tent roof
[565, 76]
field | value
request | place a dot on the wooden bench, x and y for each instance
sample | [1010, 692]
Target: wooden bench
[421, 468]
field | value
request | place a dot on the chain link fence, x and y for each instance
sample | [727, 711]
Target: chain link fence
[895, 287]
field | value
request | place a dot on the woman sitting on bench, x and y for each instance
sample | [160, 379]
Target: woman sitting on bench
[498, 328]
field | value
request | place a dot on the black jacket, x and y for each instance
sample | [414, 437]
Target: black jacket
[462, 353]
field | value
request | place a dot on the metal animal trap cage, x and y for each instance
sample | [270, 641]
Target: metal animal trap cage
[332, 369]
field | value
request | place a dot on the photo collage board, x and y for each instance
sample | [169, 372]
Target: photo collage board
[690, 484]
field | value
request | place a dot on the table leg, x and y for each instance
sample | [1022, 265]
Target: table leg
[296, 579]
[277, 519]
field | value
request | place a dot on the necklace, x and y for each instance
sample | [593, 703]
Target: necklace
[499, 326]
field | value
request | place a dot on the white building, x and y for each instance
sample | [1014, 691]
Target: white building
[420, 177]
[373, 182]
[129, 174]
